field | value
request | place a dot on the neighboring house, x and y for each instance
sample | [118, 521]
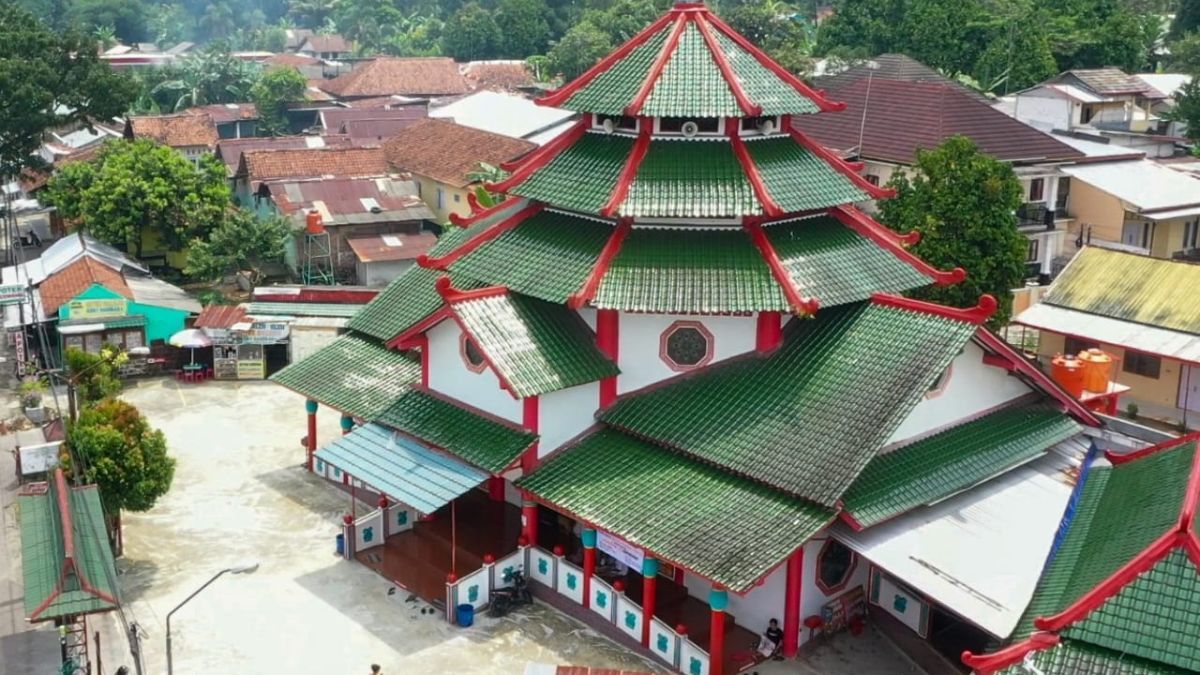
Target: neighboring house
[295, 37]
[1168, 84]
[310, 67]
[340, 120]
[193, 135]
[326, 46]
[381, 258]
[441, 154]
[232, 120]
[508, 115]
[349, 208]
[257, 166]
[498, 75]
[1142, 311]
[230, 151]
[1102, 101]
[904, 106]
[423, 77]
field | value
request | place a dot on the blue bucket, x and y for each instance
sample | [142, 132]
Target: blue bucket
[341, 544]
[465, 615]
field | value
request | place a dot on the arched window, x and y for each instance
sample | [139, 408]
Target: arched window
[686, 345]
[835, 566]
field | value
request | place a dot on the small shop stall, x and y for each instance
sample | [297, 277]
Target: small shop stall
[251, 350]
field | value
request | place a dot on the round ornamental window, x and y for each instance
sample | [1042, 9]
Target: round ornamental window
[471, 354]
[686, 345]
[835, 564]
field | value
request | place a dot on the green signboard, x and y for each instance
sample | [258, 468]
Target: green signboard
[11, 295]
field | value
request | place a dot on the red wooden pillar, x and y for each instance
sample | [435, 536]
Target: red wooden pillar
[791, 603]
[529, 420]
[649, 589]
[607, 333]
[588, 537]
[718, 600]
[310, 407]
[529, 520]
[768, 331]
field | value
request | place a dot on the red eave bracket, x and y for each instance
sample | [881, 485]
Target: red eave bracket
[997, 361]
[851, 521]
[656, 68]
[559, 96]
[444, 262]
[748, 107]
[758, 236]
[985, 664]
[750, 169]
[976, 315]
[629, 171]
[541, 157]
[477, 212]
[836, 162]
[603, 261]
[452, 295]
[866, 226]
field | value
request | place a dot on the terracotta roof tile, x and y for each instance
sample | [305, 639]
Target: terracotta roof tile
[260, 165]
[497, 75]
[447, 152]
[226, 112]
[76, 278]
[174, 130]
[406, 76]
[229, 150]
[292, 60]
[326, 43]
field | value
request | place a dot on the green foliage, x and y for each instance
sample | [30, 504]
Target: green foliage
[49, 80]
[370, 24]
[134, 184]
[471, 34]
[578, 50]
[487, 173]
[126, 17]
[523, 27]
[1187, 18]
[1187, 109]
[1017, 56]
[31, 390]
[1185, 54]
[94, 375]
[963, 203]
[113, 446]
[203, 78]
[272, 94]
[787, 39]
[245, 243]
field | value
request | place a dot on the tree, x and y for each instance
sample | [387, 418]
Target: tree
[963, 203]
[131, 185]
[211, 76]
[1185, 55]
[785, 38]
[94, 376]
[275, 89]
[310, 13]
[1187, 110]
[245, 243]
[471, 34]
[1017, 55]
[1187, 18]
[126, 17]
[523, 27]
[578, 50]
[49, 80]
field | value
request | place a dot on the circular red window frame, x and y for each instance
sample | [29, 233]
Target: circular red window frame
[709, 346]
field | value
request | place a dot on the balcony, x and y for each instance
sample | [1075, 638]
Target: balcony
[1035, 216]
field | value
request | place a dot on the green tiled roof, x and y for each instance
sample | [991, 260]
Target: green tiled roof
[1075, 658]
[798, 180]
[836, 265]
[761, 85]
[690, 179]
[354, 374]
[611, 91]
[536, 346]
[548, 256]
[940, 465]
[807, 418]
[43, 555]
[725, 528]
[689, 271]
[328, 309]
[691, 84]
[582, 176]
[488, 444]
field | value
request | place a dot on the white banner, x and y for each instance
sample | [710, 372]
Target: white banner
[621, 550]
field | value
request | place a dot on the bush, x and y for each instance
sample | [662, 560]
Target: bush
[31, 391]
[1131, 411]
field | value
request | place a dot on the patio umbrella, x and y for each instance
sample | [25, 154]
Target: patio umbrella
[191, 339]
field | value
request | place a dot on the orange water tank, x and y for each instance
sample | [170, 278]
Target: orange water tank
[1068, 372]
[313, 222]
[1097, 370]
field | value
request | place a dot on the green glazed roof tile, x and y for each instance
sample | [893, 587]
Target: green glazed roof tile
[690, 179]
[582, 176]
[798, 180]
[548, 256]
[487, 443]
[1077, 658]
[354, 374]
[834, 264]
[761, 85]
[807, 418]
[725, 528]
[689, 271]
[611, 91]
[536, 346]
[952, 460]
[691, 84]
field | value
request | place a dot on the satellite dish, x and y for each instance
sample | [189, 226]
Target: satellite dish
[608, 125]
[689, 129]
[767, 127]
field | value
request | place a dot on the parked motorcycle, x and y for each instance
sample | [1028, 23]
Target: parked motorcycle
[503, 600]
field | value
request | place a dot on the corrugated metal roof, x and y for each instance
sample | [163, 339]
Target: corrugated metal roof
[1138, 337]
[151, 291]
[1144, 184]
[303, 309]
[504, 114]
[389, 247]
[350, 201]
[979, 553]
[220, 316]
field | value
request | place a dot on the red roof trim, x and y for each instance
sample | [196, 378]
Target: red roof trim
[976, 315]
[603, 262]
[1044, 381]
[836, 162]
[477, 213]
[782, 73]
[660, 61]
[452, 295]
[559, 96]
[1124, 458]
[443, 262]
[867, 226]
[798, 302]
[409, 338]
[751, 169]
[629, 172]
[984, 664]
[540, 157]
[749, 107]
[850, 520]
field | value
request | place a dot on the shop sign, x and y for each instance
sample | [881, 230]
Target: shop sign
[12, 295]
[19, 347]
[620, 549]
[251, 369]
[96, 309]
[268, 331]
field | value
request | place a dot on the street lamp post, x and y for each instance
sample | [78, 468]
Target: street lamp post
[240, 569]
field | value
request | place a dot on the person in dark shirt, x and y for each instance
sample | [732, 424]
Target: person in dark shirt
[775, 635]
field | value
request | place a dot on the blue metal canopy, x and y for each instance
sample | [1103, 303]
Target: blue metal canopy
[401, 468]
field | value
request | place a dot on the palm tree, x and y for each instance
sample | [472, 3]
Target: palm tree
[106, 35]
